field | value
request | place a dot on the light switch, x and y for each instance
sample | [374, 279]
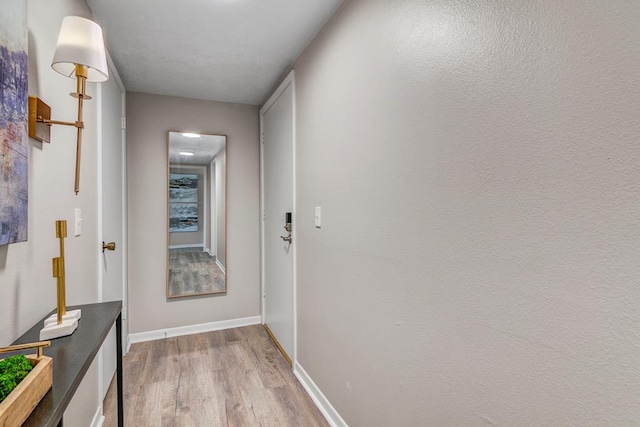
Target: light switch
[78, 217]
[318, 217]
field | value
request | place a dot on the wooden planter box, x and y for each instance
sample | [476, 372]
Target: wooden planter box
[17, 407]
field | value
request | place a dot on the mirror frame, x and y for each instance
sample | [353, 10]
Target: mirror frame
[226, 217]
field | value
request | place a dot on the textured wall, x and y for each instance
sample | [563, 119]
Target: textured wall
[478, 168]
[149, 117]
[26, 284]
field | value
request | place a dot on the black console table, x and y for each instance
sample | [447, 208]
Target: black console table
[72, 357]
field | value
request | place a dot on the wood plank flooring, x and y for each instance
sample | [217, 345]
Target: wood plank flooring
[193, 272]
[234, 377]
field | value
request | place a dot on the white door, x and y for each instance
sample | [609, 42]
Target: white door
[277, 118]
[112, 263]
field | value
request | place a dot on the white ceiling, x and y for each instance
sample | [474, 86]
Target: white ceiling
[223, 50]
[204, 148]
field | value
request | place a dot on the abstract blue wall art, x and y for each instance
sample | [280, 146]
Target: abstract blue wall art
[183, 202]
[13, 122]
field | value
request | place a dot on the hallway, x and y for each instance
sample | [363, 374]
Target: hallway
[231, 377]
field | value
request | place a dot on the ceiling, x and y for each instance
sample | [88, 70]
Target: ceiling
[204, 149]
[223, 50]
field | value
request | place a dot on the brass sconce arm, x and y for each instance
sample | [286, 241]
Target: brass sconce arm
[39, 112]
[48, 122]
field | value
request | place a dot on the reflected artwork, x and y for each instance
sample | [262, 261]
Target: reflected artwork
[183, 202]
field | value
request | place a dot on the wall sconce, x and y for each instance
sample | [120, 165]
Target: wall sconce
[79, 54]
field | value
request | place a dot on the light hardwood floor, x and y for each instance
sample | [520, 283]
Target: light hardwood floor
[234, 377]
[192, 271]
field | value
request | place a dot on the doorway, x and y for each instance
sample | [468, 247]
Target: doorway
[277, 156]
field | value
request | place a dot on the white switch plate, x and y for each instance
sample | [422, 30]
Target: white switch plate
[318, 217]
[78, 222]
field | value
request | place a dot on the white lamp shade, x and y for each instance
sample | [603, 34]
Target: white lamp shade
[80, 42]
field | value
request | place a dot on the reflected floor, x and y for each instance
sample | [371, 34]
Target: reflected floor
[192, 272]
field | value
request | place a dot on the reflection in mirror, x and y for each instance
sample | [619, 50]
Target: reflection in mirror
[196, 199]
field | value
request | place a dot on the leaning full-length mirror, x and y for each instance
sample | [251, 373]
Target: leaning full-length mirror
[197, 214]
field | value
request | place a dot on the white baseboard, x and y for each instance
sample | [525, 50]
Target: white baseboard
[193, 329]
[195, 245]
[328, 411]
[128, 346]
[98, 418]
[220, 266]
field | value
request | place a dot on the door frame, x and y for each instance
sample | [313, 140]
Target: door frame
[123, 247]
[288, 81]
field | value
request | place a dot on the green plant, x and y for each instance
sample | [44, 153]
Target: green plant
[12, 370]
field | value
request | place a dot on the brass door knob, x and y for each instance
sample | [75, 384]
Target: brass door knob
[111, 246]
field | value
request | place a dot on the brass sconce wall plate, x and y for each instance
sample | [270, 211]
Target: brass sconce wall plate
[38, 113]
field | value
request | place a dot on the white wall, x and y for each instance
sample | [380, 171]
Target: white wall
[220, 178]
[213, 212]
[149, 117]
[28, 288]
[477, 166]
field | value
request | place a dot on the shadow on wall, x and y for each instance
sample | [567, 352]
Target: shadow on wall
[4, 250]
[32, 76]
[16, 297]
[11, 292]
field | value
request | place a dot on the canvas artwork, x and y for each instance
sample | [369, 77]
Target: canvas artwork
[13, 122]
[183, 202]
